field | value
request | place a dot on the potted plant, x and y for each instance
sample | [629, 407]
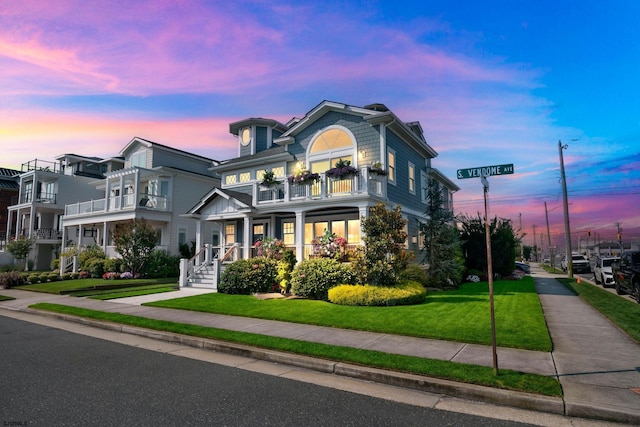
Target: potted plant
[343, 170]
[376, 169]
[303, 177]
[269, 180]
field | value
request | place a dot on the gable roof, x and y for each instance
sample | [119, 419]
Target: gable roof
[150, 144]
[243, 199]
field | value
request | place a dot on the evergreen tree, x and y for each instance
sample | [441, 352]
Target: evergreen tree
[442, 246]
[503, 245]
[383, 255]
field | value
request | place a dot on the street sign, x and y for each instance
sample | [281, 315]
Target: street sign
[485, 171]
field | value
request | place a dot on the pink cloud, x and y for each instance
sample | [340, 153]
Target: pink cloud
[49, 134]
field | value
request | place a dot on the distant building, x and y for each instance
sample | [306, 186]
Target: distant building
[9, 189]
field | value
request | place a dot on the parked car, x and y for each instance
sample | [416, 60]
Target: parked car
[626, 273]
[523, 267]
[602, 271]
[579, 262]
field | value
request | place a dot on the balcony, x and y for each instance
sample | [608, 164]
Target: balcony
[127, 202]
[327, 188]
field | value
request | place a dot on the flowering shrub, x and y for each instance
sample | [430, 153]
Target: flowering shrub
[247, 276]
[303, 177]
[84, 275]
[270, 247]
[126, 275]
[343, 170]
[329, 246]
[111, 275]
[313, 278]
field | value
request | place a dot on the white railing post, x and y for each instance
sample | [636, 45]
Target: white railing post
[207, 254]
[184, 273]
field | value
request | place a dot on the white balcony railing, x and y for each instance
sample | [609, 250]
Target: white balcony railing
[326, 188]
[116, 204]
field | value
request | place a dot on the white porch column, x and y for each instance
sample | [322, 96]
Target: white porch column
[300, 216]
[80, 235]
[105, 236]
[363, 212]
[198, 234]
[246, 238]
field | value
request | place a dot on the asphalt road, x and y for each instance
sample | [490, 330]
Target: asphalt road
[54, 377]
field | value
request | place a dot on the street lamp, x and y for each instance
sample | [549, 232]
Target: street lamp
[567, 228]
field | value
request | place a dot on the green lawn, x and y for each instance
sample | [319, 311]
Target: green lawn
[481, 375]
[622, 312]
[458, 315]
[69, 286]
[6, 298]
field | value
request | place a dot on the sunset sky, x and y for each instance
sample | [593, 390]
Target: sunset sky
[493, 82]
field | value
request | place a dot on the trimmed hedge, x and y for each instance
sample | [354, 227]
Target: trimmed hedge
[314, 277]
[407, 292]
[247, 276]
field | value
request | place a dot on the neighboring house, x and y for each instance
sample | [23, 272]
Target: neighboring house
[232, 217]
[8, 196]
[44, 190]
[157, 183]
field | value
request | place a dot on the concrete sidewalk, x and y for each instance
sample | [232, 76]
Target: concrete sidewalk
[597, 365]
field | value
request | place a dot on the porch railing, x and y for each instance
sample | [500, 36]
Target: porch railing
[113, 204]
[326, 188]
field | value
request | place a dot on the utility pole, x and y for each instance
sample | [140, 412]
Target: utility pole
[567, 228]
[535, 246]
[619, 236]
[551, 255]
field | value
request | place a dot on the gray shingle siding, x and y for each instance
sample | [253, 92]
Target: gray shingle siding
[261, 139]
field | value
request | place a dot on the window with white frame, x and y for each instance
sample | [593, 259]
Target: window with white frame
[139, 158]
[412, 178]
[424, 185]
[288, 233]
[391, 166]
[230, 179]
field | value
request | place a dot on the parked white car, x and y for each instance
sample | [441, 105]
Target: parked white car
[602, 271]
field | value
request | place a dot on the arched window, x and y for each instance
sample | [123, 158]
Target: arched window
[331, 145]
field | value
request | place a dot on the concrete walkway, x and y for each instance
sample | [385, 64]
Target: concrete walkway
[597, 365]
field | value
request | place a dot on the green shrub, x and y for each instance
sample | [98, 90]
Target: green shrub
[53, 277]
[95, 267]
[34, 278]
[88, 255]
[312, 278]
[407, 292]
[160, 264]
[67, 276]
[285, 267]
[75, 275]
[247, 276]
[11, 279]
[44, 276]
[414, 272]
[25, 275]
[113, 265]
[7, 268]
[55, 264]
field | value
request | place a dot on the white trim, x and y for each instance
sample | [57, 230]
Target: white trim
[411, 167]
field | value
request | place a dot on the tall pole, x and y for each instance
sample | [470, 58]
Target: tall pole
[567, 228]
[485, 184]
[546, 214]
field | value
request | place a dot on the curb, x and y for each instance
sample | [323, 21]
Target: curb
[522, 400]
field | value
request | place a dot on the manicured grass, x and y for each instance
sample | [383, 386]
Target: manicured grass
[5, 298]
[622, 312]
[435, 368]
[133, 292]
[459, 315]
[66, 286]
